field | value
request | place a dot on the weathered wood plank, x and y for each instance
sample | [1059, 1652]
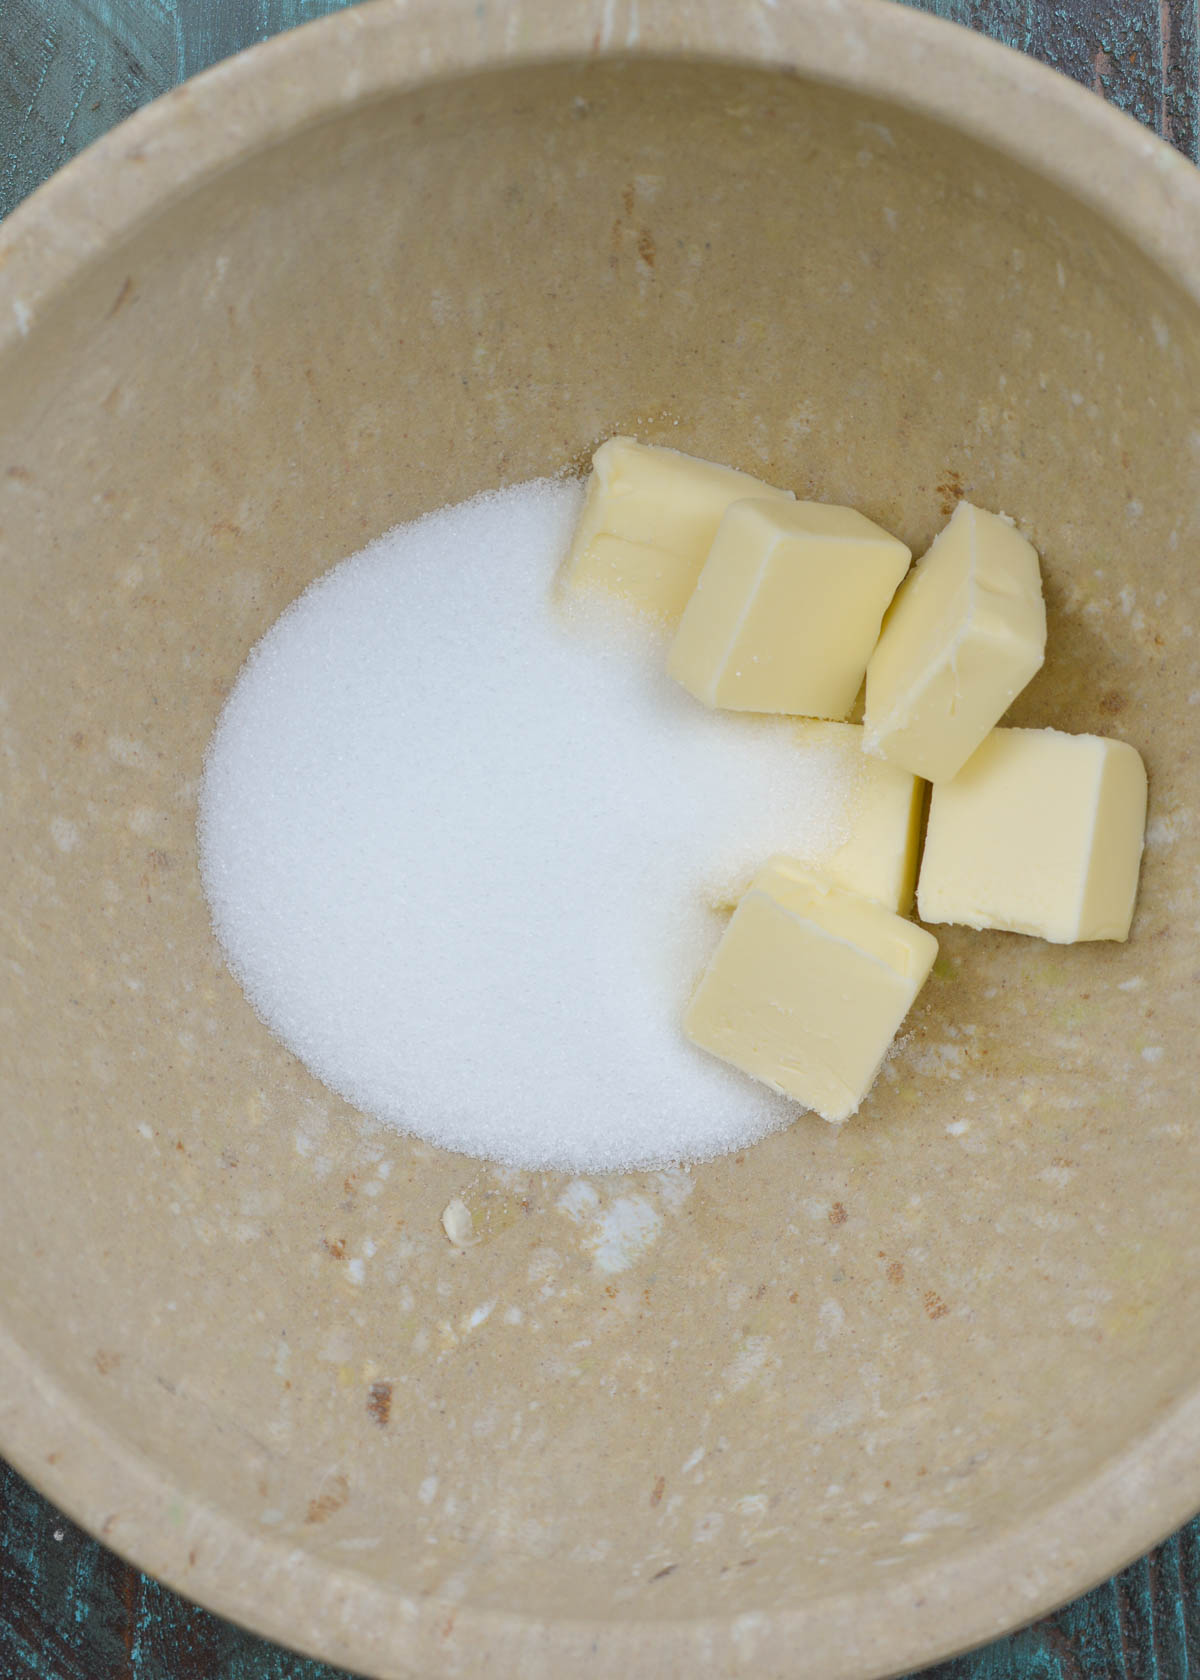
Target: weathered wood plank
[71, 1610]
[69, 72]
[71, 69]
[209, 32]
[1180, 119]
[1140, 54]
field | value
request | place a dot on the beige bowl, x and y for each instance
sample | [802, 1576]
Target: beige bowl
[853, 1398]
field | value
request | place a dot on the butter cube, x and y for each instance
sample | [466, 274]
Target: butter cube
[1039, 833]
[966, 632]
[648, 522]
[878, 840]
[884, 807]
[808, 987]
[787, 609]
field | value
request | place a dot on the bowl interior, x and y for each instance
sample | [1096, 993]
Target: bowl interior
[800, 1375]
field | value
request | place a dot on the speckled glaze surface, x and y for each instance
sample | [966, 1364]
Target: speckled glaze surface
[837, 1405]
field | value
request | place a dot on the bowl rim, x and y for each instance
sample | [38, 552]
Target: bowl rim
[246, 104]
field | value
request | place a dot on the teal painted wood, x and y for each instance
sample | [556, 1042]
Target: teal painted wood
[1141, 54]
[69, 1608]
[70, 69]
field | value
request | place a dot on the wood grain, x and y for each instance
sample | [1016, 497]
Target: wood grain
[69, 1608]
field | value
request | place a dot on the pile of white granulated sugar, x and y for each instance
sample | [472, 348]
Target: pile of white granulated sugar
[460, 848]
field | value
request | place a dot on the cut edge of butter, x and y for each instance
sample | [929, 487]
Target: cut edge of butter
[1040, 834]
[964, 635]
[874, 848]
[889, 939]
[648, 520]
[808, 988]
[787, 609]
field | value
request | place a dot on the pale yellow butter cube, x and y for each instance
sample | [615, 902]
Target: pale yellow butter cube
[808, 987]
[966, 632]
[648, 522]
[787, 609]
[877, 829]
[1039, 833]
[884, 806]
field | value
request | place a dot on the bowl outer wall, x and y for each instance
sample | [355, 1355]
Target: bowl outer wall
[247, 104]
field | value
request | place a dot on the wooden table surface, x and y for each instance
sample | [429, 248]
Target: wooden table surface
[69, 1608]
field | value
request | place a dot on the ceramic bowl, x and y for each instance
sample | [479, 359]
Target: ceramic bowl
[853, 1398]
